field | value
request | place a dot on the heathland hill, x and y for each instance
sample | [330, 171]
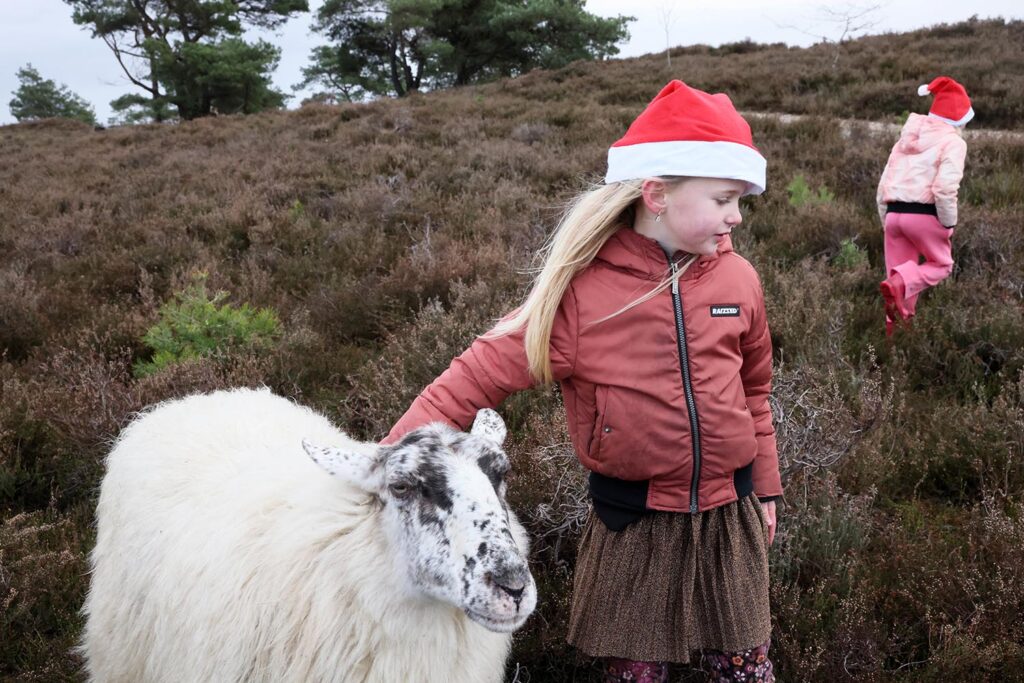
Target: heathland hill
[382, 237]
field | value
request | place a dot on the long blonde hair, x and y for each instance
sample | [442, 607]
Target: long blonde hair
[587, 223]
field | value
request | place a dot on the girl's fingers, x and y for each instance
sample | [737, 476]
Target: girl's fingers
[769, 513]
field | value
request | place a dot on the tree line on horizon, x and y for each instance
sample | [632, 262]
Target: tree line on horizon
[189, 58]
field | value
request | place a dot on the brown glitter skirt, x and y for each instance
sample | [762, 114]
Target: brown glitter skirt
[672, 583]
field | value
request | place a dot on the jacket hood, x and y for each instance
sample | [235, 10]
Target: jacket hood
[632, 251]
[924, 132]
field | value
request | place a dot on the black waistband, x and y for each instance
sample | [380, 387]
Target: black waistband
[912, 207]
[618, 503]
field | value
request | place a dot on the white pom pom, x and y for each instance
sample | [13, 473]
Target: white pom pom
[923, 90]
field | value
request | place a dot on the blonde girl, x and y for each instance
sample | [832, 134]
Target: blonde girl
[655, 329]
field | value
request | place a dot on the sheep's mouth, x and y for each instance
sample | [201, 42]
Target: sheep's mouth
[496, 624]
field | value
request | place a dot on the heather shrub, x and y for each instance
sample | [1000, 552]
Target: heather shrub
[21, 325]
[385, 237]
[1002, 189]
[385, 387]
[820, 547]
[822, 414]
[811, 315]
[42, 560]
[29, 460]
[975, 452]
[963, 341]
[813, 230]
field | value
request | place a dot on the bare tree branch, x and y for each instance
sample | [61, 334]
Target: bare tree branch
[112, 44]
[851, 19]
[666, 10]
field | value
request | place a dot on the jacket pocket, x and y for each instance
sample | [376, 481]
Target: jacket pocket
[601, 424]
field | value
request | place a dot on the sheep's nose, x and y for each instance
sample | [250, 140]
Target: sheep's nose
[511, 580]
[514, 593]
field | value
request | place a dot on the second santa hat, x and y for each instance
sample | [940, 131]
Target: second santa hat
[688, 132]
[951, 103]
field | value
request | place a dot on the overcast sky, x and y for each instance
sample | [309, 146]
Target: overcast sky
[41, 32]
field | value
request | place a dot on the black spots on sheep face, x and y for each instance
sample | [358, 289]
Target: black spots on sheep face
[424, 487]
[428, 516]
[417, 471]
[433, 479]
[413, 439]
[434, 574]
[495, 465]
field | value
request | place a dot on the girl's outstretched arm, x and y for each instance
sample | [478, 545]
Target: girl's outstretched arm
[491, 369]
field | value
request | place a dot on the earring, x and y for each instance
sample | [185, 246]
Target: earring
[657, 219]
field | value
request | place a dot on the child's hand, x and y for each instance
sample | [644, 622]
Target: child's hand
[769, 513]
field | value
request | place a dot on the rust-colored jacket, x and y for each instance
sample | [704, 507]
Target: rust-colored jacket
[635, 392]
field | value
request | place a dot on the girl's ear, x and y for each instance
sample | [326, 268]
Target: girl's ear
[653, 194]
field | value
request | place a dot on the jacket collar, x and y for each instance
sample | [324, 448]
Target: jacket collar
[630, 250]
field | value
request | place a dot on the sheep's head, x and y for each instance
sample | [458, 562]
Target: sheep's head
[443, 503]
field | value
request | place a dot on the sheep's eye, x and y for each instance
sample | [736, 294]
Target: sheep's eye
[401, 489]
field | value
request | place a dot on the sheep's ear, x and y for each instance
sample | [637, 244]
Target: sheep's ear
[489, 425]
[360, 468]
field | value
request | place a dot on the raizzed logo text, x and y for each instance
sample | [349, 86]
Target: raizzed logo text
[725, 310]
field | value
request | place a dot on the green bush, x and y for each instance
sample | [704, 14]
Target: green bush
[850, 256]
[196, 324]
[801, 194]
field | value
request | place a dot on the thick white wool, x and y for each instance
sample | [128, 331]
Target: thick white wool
[225, 554]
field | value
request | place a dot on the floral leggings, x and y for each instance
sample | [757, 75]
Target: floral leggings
[746, 666]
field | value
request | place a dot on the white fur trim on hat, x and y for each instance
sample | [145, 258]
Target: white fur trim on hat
[694, 158]
[961, 122]
[923, 90]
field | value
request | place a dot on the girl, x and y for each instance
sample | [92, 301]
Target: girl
[917, 199]
[656, 331]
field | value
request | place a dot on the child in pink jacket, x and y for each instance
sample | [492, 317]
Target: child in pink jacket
[917, 198]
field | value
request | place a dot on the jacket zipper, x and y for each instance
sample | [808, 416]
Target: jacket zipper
[684, 364]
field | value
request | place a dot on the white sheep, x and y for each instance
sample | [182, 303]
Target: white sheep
[225, 554]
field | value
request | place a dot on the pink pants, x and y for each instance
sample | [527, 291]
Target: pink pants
[909, 238]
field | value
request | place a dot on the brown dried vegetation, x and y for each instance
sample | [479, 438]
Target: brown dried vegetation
[387, 235]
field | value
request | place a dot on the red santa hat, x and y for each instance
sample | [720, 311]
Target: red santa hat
[951, 103]
[688, 132]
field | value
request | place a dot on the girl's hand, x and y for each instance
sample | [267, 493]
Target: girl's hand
[769, 514]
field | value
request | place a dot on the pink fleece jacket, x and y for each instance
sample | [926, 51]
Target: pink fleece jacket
[925, 167]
